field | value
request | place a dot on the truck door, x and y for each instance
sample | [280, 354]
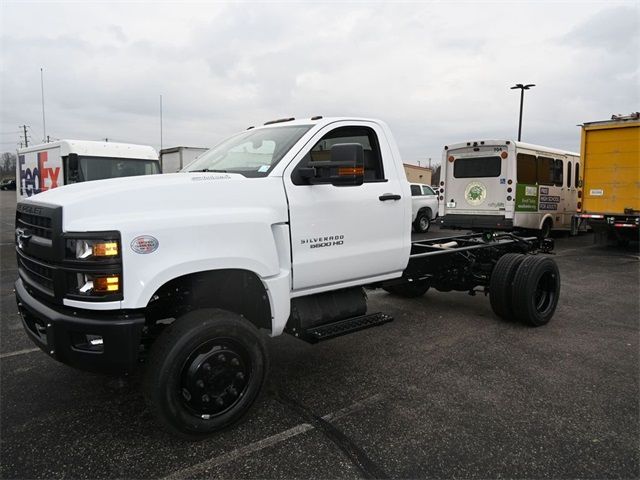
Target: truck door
[342, 234]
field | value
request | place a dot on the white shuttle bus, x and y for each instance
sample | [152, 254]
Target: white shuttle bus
[508, 185]
[49, 165]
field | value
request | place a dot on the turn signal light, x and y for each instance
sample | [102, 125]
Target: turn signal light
[107, 249]
[106, 284]
[343, 171]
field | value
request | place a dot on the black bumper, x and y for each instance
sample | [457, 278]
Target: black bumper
[477, 222]
[62, 334]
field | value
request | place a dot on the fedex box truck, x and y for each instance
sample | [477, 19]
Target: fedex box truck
[49, 165]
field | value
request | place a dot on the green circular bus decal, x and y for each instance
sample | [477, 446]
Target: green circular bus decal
[475, 193]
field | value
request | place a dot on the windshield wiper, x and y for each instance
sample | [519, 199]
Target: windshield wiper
[208, 170]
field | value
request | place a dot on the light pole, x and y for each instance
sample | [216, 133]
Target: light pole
[522, 89]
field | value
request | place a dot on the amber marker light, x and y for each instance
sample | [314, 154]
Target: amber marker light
[106, 249]
[343, 171]
[106, 284]
[504, 155]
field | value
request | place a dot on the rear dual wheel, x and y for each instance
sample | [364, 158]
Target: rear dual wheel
[525, 288]
[204, 372]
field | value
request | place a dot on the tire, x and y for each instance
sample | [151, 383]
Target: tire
[422, 222]
[204, 372]
[501, 285]
[536, 290]
[409, 289]
[545, 231]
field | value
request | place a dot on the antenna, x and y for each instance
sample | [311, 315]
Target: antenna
[44, 125]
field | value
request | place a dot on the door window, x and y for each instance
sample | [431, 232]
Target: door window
[428, 190]
[558, 173]
[526, 168]
[576, 177]
[365, 136]
[546, 169]
[568, 174]
[416, 191]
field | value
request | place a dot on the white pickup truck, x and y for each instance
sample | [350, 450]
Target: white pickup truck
[424, 207]
[278, 228]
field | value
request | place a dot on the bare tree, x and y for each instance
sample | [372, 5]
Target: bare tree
[8, 164]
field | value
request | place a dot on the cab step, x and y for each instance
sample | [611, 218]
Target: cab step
[343, 327]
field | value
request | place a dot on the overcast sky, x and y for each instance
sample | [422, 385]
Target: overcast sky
[437, 73]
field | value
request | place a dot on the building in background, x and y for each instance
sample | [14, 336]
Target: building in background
[174, 159]
[416, 174]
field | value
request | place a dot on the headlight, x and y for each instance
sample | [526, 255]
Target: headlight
[92, 249]
[90, 284]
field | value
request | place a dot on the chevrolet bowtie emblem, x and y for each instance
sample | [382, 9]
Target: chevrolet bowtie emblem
[22, 237]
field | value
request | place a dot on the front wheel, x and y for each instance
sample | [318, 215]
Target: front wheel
[204, 372]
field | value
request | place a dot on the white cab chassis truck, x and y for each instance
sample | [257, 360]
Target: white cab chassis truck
[507, 185]
[50, 165]
[277, 229]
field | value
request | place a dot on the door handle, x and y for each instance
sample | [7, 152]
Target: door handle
[389, 196]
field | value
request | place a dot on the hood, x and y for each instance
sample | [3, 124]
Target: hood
[105, 204]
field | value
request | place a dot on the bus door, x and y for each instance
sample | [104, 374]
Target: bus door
[552, 195]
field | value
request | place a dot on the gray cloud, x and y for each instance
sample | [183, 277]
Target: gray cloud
[437, 73]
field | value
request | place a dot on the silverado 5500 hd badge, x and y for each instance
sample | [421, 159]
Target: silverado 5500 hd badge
[320, 242]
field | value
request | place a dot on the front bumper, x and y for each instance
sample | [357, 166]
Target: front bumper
[62, 334]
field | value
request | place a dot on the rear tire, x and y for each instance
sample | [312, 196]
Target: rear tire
[204, 372]
[501, 285]
[409, 289]
[536, 290]
[422, 222]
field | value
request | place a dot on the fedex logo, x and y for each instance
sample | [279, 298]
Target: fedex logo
[39, 179]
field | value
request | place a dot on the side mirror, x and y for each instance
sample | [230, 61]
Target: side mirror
[346, 167]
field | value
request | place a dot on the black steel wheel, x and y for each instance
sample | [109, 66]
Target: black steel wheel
[422, 222]
[501, 284]
[536, 290]
[204, 372]
[409, 289]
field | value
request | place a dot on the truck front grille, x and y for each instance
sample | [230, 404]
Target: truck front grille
[36, 272]
[40, 226]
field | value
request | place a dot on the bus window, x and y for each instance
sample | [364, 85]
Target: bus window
[546, 168]
[569, 174]
[526, 168]
[558, 173]
[477, 167]
[576, 178]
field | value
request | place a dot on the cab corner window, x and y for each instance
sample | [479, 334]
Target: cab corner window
[364, 136]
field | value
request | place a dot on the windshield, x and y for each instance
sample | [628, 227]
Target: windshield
[98, 168]
[252, 153]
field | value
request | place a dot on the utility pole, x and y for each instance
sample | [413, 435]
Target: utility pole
[160, 122]
[44, 125]
[26, 138]
[522, 89]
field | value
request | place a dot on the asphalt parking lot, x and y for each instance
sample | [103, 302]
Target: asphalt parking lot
[446, 390]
